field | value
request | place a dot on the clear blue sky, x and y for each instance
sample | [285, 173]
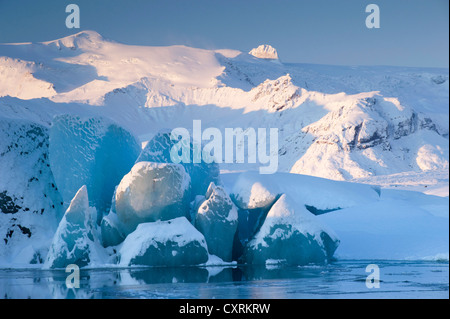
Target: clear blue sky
[412, 33]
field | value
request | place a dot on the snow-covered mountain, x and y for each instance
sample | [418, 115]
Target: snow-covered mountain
[376, 125]
[265, 51]
[335, 122]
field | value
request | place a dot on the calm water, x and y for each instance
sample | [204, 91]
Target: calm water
[342, 279]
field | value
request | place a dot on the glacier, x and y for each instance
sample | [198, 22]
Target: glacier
[93, 152]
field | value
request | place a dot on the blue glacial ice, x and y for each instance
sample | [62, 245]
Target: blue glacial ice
[93, 152]
[158, 150]
[292, 235]
[151, 192]
[111, 228]
[217, 220]
[254, 201]
[75, 240]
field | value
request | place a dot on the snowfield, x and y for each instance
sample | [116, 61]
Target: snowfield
[363, 155]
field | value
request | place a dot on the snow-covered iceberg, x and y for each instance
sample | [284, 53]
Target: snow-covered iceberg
[164, 243]
[151, 192]
[250, 190]
[254, 200]
[201, 174]
[90, 151]
[291, 234]
[250, 193]
[370, 222]
[75, 240]
[217, 220]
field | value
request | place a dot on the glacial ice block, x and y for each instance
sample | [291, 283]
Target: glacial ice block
[201, 174]
[75, 241]
[111, 230]
[254, 200]
[93, 152]
[291, 234]
[151, 192]
[217, 219]
[164, 243]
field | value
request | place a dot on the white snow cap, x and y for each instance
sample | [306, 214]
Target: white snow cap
[265, 51]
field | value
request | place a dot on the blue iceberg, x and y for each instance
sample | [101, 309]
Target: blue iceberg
[164, 243]
[201, 174]
[75, 240]
[292, 235]
[93, 152]
[151, 192]
[217, 220]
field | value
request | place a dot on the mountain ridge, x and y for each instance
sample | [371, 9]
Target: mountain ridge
[335, 122]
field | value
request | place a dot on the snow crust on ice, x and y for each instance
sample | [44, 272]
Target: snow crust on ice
[164, 243]
[251, 194]
[253, 190]
[429, 182]
[395, 229]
